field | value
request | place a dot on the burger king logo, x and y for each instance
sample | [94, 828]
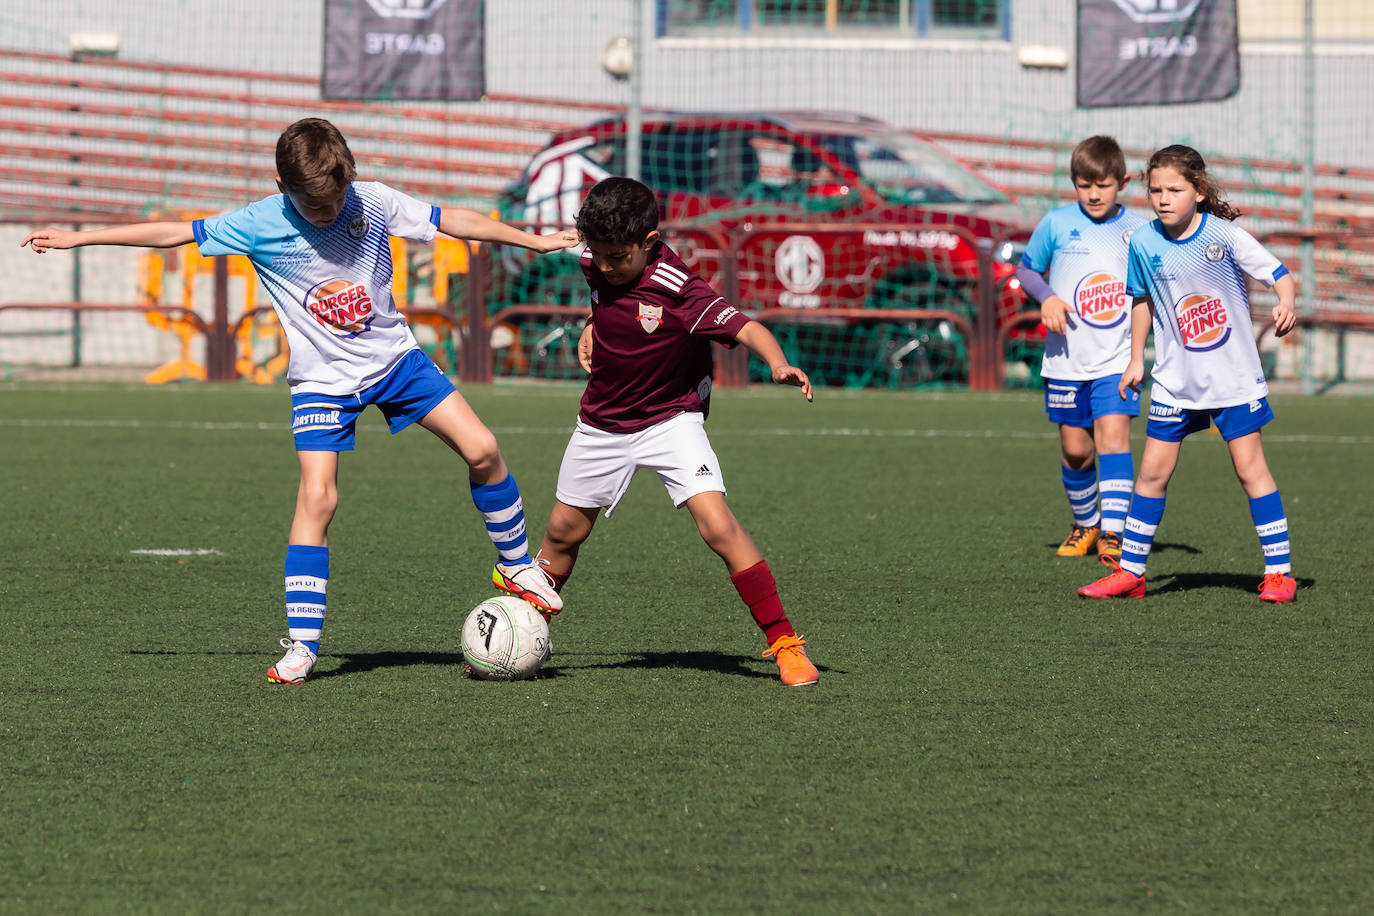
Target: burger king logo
[1100, 300]
[1202, 321]
[340, 305]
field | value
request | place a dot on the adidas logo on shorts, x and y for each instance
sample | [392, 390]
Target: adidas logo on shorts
[703, 471]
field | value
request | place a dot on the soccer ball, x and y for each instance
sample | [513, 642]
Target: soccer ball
[505, 639]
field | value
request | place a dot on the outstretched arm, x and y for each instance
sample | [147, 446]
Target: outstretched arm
[138, 235]
[764, 345]
[462, 223]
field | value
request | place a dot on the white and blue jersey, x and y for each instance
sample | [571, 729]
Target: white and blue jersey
[1205, 353]
[331, 286]
[1086, 260]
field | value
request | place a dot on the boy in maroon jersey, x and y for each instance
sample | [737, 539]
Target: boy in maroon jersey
[647, 346]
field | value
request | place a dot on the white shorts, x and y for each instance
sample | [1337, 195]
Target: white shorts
[597, 465]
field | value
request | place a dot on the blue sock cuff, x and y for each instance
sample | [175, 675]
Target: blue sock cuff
[493, 497]
[1117, 466]
[1148, 509]
[1078, 479]
[307, 560]
[1267, 508]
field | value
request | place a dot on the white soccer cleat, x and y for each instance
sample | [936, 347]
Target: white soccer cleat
[295, 666]
[530, 583]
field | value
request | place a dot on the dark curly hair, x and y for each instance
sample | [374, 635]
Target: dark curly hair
[618, 211]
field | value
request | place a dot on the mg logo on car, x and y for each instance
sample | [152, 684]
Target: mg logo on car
[800, 264]
[1158, 10]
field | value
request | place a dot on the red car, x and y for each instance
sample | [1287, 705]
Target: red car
[821, 210]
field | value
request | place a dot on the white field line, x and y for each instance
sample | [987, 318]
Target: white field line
[841, 432]
[180, 552]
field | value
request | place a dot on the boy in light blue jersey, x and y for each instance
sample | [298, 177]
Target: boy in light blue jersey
[1186, 277]
[1085, 310]
[321, 248]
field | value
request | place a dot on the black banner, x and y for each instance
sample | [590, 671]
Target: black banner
[1155, 52]
[403, 49]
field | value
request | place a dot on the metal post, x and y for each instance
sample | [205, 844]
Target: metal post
[634, 114]
[1307, 303]
[219, 353]
[76, 297]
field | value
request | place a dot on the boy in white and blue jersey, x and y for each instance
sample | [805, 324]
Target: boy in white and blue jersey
[1186, 276]
[1086, 313]
[321, 248]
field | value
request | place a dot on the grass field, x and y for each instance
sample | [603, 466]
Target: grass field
[982, 741]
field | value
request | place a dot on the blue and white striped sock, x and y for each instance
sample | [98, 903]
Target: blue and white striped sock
[1272, 527]
[504, 514]
[1081, 488]
[1117, 473]
[1139, 535]
[307, 576]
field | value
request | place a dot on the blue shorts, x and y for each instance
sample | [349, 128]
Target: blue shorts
[1174, 424]
[1079, 403]
[327, 422]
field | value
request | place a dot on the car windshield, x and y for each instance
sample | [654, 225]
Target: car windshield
[906, 170]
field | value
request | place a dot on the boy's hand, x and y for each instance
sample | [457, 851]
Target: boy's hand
[1054, 314]
[1131, 377]
[44, 239]
[791, 375]
[584, 348]
[1285, 319]
[564, 238]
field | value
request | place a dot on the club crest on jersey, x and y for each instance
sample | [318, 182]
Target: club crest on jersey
[1214, 252]
[1100, 300]
[650, 317]
[357, 226]
[1202, 322]
[340, 305]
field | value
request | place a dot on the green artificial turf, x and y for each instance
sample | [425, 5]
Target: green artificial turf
[981, 741]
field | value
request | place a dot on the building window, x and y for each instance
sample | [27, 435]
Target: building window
[977, 19]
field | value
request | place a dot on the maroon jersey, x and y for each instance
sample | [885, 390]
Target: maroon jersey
[651, 344]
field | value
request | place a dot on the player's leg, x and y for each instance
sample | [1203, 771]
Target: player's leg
[322, 426]
[1266, 505]
[1078, 472]
[568, 528]
[307, 565]
[1116, 468]
[1068, 403]
[1127, 580]
[679, 451]
[497, 496]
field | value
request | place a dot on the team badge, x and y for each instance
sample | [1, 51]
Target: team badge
[650, 317]
[357, 226]
[1126, 236]
[1214, 252]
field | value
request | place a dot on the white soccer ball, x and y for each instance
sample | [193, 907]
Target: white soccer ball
[505, 639]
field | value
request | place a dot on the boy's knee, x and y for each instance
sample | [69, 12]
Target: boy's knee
[483, 455]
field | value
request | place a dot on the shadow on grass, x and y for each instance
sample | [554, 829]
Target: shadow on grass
[558, 666]
[1240, 582]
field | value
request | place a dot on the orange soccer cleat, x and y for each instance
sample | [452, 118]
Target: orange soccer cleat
[1079, 542]
[1118, 584]
[793, 665]
[1278, 588]
[1109, 545]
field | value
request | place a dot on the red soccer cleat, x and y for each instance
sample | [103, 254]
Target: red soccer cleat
[1278, 588]
[1119, 584]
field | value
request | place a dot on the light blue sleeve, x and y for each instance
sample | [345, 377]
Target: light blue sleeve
[230, 233]
[1040, 249]
[1137, 277]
